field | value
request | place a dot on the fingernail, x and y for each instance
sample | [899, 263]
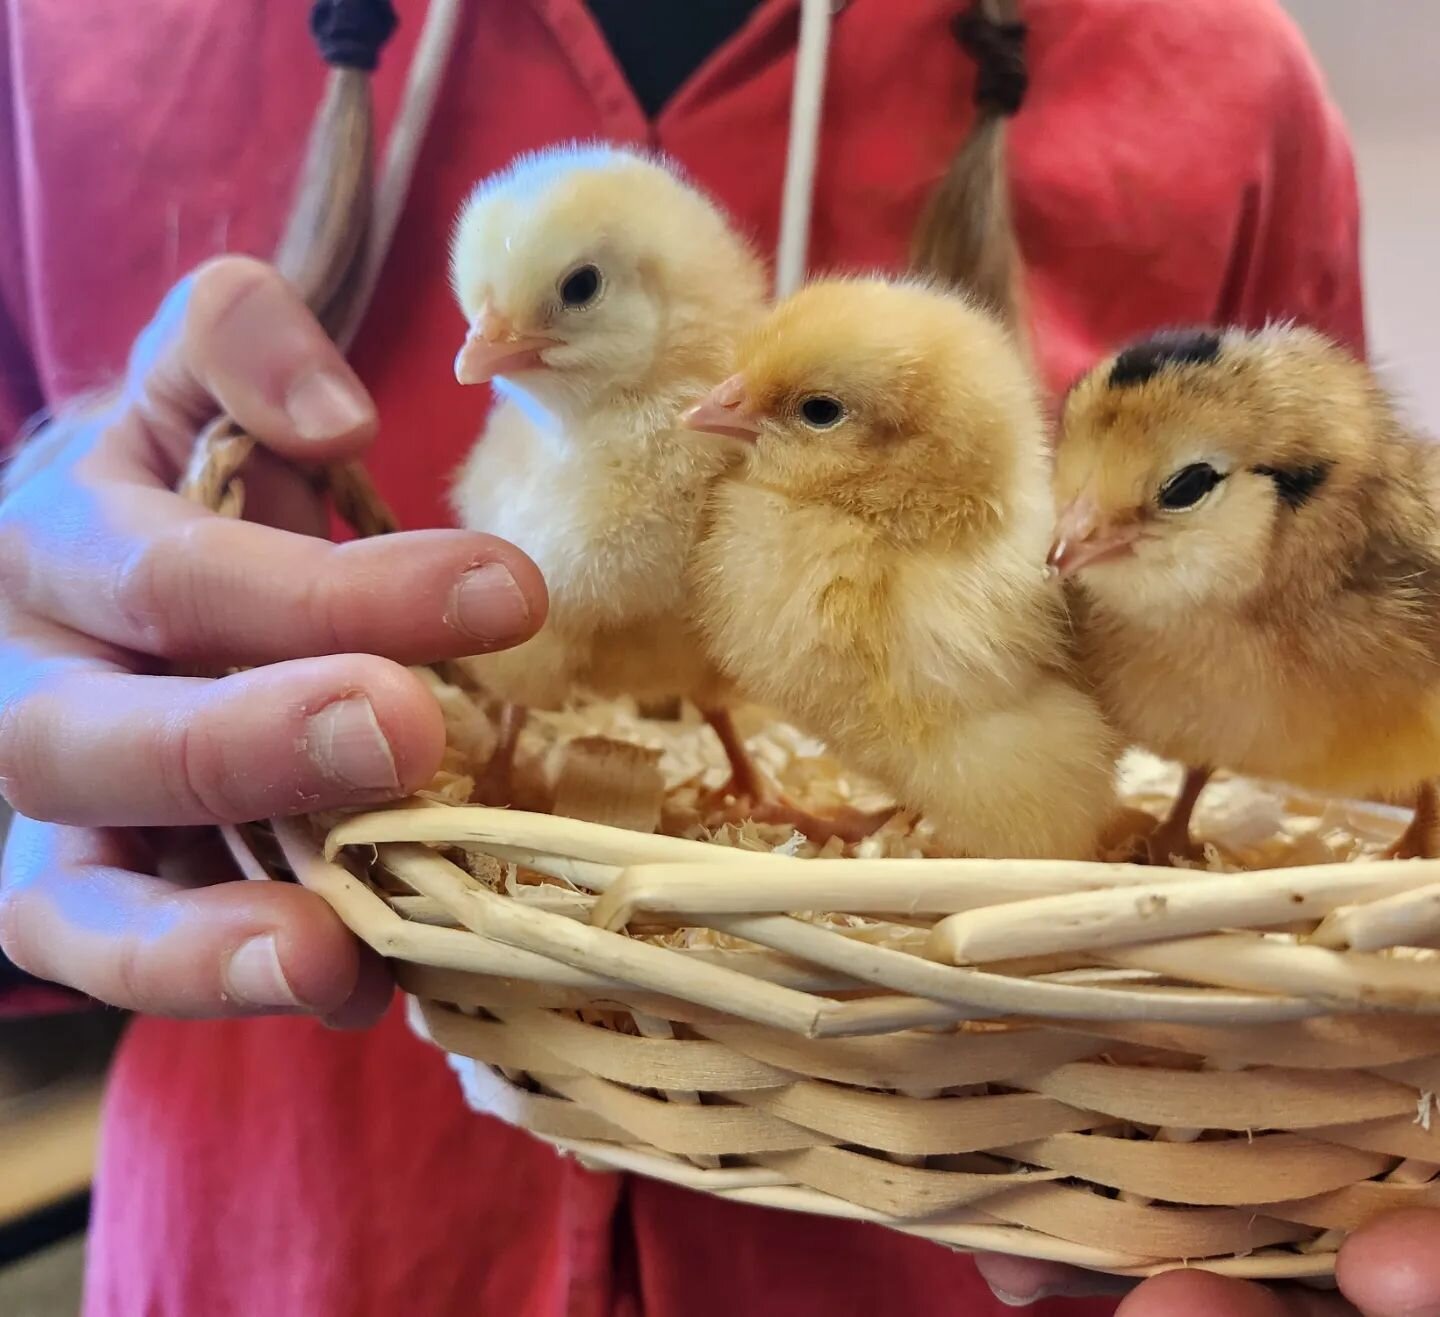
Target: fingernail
[1082, 1290]
[344, 741]
[489, 605]
[324, 406]
[254, 977]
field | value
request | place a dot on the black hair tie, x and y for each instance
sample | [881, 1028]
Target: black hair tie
[350, 33]
[998, 50]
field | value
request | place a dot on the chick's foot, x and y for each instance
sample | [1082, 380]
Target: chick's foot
[744, 783]
[849, 825]
[747, 795]
[1171, 841]
[1168, 845]
[1421, 838]
[496, 784]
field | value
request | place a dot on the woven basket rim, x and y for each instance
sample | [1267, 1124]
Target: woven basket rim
[1202, 927]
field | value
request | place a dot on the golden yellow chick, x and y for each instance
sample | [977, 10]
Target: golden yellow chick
[604, 295]
[1253, 534]
[875, 565]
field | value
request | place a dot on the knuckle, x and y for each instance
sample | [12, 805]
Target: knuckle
[194, 306]
[15, 944]
[27, 712]
[132, 986]
[193, 312]
[15, 560]
[326, 615]
[138, 592]
[216, 288]
[151, 592]
[197, 776]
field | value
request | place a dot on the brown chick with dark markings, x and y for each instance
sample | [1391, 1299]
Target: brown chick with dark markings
[1252, 532]
[874, 567]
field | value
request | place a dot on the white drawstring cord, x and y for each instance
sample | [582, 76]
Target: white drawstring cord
[806, 99]
[407, 136]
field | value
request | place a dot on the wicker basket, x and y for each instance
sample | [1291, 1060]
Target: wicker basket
[1119, 1067]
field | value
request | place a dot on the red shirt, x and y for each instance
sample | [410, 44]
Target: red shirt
[1174, 162]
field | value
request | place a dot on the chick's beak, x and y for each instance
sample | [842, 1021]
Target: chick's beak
[726, 411]
[1084, 538]
[493, 347]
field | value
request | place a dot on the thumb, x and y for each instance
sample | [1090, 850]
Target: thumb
[233, 336]
[1390, 1267]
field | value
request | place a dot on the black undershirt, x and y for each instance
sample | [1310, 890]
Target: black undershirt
[660, 43]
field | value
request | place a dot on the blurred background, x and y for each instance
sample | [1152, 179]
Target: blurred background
[1383, 66]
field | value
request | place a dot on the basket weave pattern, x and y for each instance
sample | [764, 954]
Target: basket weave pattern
[1120, 1067]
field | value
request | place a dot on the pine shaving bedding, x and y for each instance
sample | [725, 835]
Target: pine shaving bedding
[604, 761]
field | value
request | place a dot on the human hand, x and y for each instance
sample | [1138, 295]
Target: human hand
[108, 579]
[1388, 1268]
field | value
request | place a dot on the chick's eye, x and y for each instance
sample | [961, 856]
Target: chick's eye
[1188, 486]
[580, 287]
[821, 412]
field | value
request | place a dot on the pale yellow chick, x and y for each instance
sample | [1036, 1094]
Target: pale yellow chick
[1254, 539]
[604, 296]
[875, 565]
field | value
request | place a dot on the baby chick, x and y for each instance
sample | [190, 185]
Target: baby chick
[1254, 536]
[604, 296]
[874, 567]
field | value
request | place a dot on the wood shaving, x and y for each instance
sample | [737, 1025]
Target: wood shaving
[1247, 824]
[606, 762]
